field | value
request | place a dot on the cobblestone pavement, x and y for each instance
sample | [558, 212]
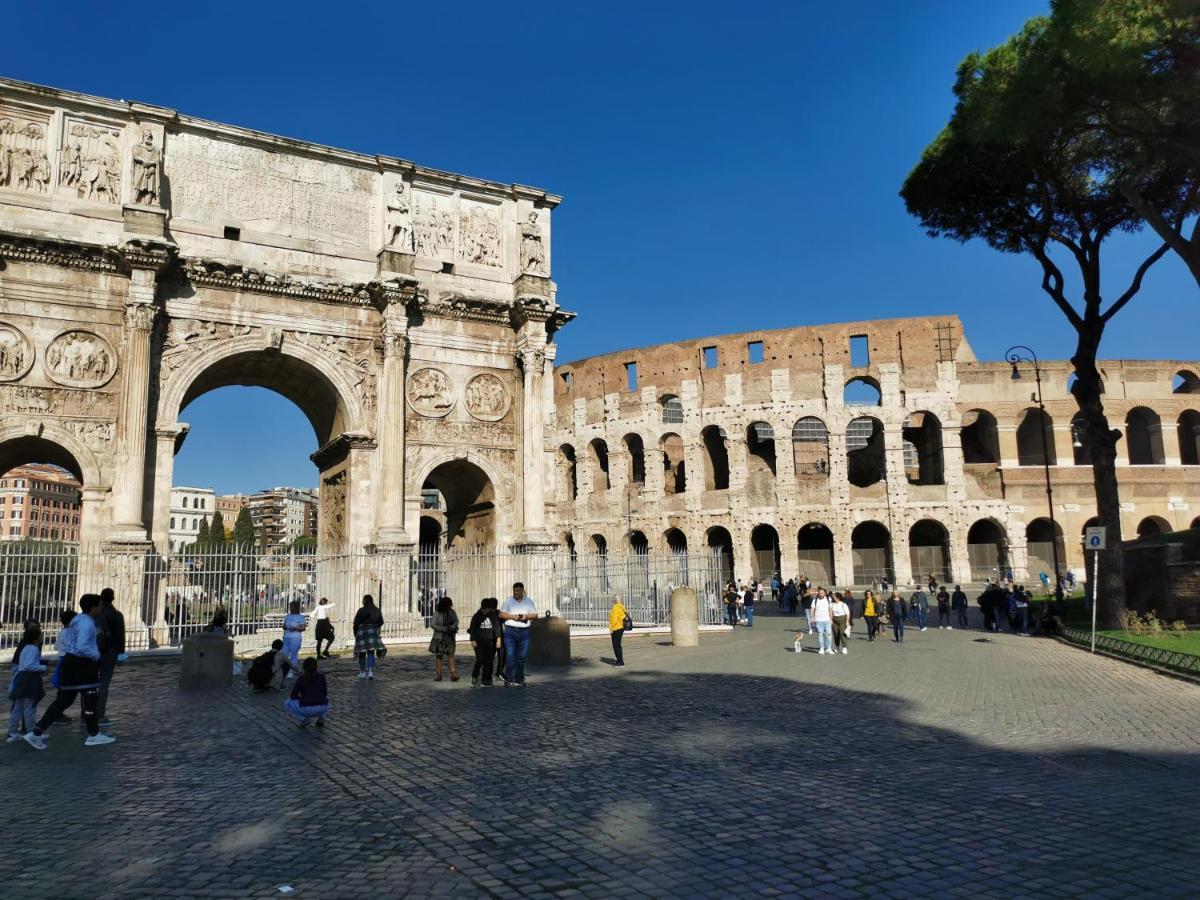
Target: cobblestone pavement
[952, 765]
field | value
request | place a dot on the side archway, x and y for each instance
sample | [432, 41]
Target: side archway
[987, 550]
[814, 549]
[929, 551]
[871, 548]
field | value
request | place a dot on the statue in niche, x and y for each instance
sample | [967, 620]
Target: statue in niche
[146, 161]
[533, 251]
[7, 142]
[397, 225]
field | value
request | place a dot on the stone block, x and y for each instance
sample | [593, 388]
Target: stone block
[147, 220]
[685, 618]
[395, 262]
[549, 642]
[207, 661]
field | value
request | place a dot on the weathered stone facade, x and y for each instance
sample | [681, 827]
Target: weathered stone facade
[147, 257]
[746, 441]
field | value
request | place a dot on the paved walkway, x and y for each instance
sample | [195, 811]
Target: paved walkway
[949, 766]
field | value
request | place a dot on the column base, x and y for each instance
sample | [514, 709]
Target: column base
[386, 545]
[534, 542]
[120, 537]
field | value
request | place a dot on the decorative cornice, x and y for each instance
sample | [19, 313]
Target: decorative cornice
[147, 253]
[398, 291]
[466, 309]
[532, 309]
[334, 451]
[54, 252]
[236, 277]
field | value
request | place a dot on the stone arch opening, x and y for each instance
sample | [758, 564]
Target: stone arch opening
[1143, 437]
[987, 550]
[764, 557]
[865, 459]
[1185, 382]
[639, 543]
[760, 448]
[1035, 439]
[1152, 526]
[871, 549]
[814, 549]
[1188, 429]
[810, 448]
[568, 468]
[674, 465]
[675, 540]
[862, 391]
[600, 479]
[929, 551]
[430, 539]
[716, 458]
[41, 493]
[635, 451]
[1041, 537]
[469, 508]
[672, 410]
[980, 438]
[923, 433]
[1195, 522]
[599, 545]
[718, 539]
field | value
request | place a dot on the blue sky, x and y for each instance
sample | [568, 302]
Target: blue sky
[726, 167]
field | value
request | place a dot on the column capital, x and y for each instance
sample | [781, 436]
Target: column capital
[139, 315]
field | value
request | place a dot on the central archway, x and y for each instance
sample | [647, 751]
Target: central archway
[468, 506]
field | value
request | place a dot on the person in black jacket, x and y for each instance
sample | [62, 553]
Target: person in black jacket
[110, 637]
[897, 612]
[485, 634]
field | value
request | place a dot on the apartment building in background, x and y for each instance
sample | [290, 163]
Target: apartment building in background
[39, 502]
[282, 514]
[189, 507]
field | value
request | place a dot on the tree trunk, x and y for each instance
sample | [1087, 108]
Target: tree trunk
[1102, 444]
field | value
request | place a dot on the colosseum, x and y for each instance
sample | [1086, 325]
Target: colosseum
[859, 452]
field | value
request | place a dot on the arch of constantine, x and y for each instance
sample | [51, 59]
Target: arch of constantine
[858, 452]
[148, 257]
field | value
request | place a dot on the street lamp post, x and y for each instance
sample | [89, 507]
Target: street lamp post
[1014, 357]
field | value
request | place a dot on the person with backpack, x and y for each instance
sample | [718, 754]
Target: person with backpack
[309, 699]
[25, 689]
[619, 621]
[919, 605]
[368, 623]
[485, 634]
[943, 607]
[266, 666]
[445, 632]
[78, 676]
[748, 597]
[110, 625]
[897, 612]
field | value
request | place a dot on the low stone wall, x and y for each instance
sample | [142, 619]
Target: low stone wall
[1164, 578]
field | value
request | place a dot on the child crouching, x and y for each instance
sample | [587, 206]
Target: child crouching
[310, 696]
[25, 690]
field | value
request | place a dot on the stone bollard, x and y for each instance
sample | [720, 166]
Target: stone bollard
[549, 642]
[207, 661]
[685, 618]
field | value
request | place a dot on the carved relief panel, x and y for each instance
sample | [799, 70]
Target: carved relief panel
[486, 398]
[430, 392]
[434, 224]
[479, 235]
[16, 353]
[90, 161]
[24, 149]
[81, 359]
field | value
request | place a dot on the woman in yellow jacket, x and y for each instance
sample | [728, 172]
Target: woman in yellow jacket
[618, 622]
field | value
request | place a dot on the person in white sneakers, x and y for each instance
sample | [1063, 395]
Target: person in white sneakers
[822, 621]
[839, 612]
[79, 676]
[368, 643]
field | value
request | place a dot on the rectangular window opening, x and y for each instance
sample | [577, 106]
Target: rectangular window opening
[233, 234]
[711, 359]
[860, 353]
[754, 352]
[447, 268]
[631, 376]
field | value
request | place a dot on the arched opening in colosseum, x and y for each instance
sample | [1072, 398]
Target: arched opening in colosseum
[674, 467]
[1195, 522]
[430, 536]
[987, 550]
[1143, 437]
[760, 445]
[1188, 429]
[814, 549]
[635, 451]
[599, 547]
[600, 479]
[865, 460]
[469, 505]
[569, 472]
[1035, 439]
[1040, 537]
[675, 540]
[1081, 452]
[980, 438]
[862, 391]
[810, 448]
[638, 542]
[716, 458]
[42, 499]
[719, 540]
[922, 435]
[672, 410]
[871, 549]
[1185, 382]
[929, 551]
[1152, 526]
[764, 552]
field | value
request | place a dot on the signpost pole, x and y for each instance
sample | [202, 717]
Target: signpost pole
[1095, 589]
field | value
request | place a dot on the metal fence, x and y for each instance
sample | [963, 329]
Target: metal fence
[167, 597]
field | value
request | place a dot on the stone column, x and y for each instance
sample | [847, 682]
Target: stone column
[92, 526]
[901, 558]
[1063, 445]
[532, 360]
[392, 525]
[167, 439]
[1006, 434]
[655, 473]
[145, 259]
[1170, 443]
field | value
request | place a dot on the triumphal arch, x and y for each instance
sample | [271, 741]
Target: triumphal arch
[148, 257]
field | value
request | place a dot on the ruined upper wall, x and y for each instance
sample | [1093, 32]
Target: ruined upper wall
[72, 165]
[916, 344]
